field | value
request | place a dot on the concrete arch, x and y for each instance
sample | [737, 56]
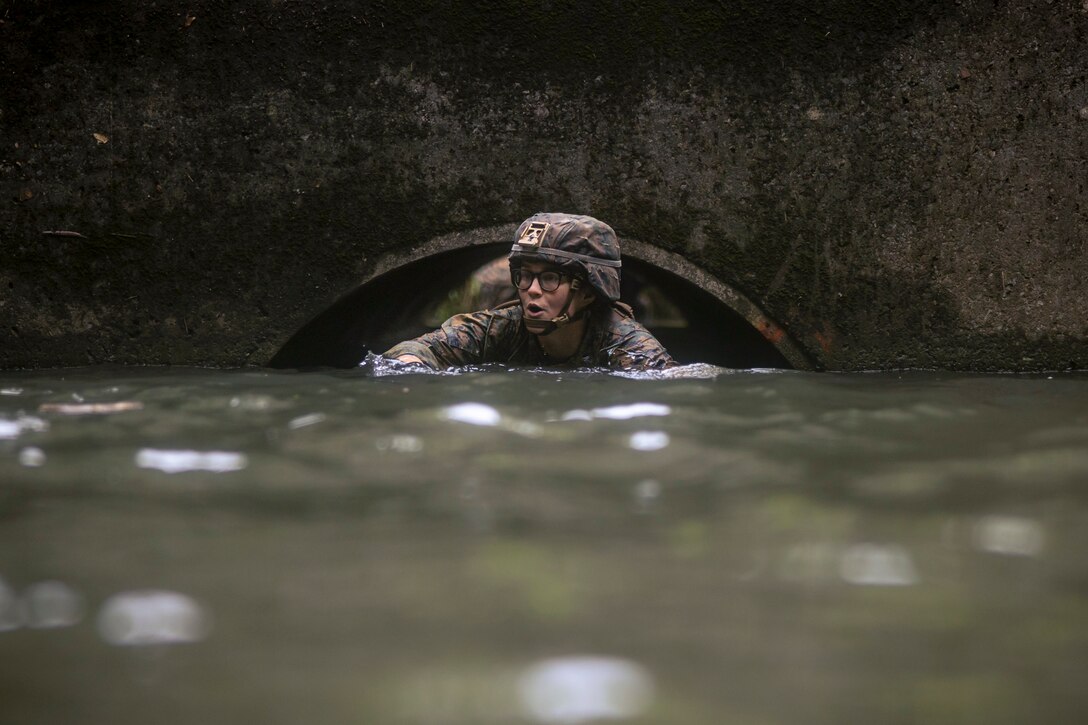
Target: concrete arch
[386, 305]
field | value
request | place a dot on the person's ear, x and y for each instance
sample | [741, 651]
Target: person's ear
[589, 295]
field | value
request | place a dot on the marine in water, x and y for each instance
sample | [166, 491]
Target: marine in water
[566, 269]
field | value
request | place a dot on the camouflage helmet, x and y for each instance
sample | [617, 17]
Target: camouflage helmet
[569, 240]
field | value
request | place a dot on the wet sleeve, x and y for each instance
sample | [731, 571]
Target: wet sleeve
[637, 349]
[458, 342]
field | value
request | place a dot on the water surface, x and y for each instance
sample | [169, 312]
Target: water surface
[538, 546]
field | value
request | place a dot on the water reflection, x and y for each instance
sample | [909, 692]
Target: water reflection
[618, 412]
[180, 461]
[584, 689]
[91, 408]
[11, 616]
[52, 604]
[42, 605]
[458, 693]
[304, 421]
[473, 414]
[11, 429]
[647, 492]
[648, 440]
[255, 403]
[152, 617]
[32, 457]
[810, 562]
[479, 414]
[403, 443]
[878, 566]
[1009, 535]
[772, 548]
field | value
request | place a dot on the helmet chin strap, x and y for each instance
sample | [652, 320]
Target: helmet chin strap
[547, 327]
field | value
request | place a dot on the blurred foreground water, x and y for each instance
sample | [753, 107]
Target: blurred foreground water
[182, 546]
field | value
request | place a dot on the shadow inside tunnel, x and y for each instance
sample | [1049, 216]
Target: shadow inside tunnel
[415, 298]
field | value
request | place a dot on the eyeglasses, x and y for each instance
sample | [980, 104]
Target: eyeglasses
[549, 279]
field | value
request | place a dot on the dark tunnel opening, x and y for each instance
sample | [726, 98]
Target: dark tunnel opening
[693, 324]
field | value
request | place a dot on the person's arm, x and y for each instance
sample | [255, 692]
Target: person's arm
[420, 351]
[458, 342]
[648, 355]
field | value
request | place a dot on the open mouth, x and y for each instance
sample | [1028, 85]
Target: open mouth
[534, 309]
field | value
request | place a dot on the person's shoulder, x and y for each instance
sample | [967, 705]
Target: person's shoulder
[484, 317]
[621, 322]
[466, 330]
[507, 311]
[630, 346]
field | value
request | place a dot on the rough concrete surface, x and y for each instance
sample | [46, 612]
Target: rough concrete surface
[898, 184]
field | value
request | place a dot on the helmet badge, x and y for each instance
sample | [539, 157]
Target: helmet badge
[533, 234]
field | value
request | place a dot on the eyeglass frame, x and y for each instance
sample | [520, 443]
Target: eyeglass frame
[538, 276]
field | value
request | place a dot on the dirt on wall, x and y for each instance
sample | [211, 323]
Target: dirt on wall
[898, 184]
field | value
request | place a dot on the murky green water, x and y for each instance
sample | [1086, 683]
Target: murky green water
[181, 546]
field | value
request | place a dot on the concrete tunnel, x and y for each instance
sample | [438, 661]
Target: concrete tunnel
[697, 317]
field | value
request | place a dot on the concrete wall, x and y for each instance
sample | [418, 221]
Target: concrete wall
[898, 183]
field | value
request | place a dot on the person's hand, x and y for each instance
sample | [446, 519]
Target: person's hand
[410, 359]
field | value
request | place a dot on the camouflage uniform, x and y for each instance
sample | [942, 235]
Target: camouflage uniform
[587, 250]
[613, 339]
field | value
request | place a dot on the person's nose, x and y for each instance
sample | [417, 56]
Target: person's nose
[534, 288]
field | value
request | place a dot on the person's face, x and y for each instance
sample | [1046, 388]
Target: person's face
[536, 303]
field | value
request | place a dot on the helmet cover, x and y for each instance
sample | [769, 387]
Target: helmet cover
[569, 241]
